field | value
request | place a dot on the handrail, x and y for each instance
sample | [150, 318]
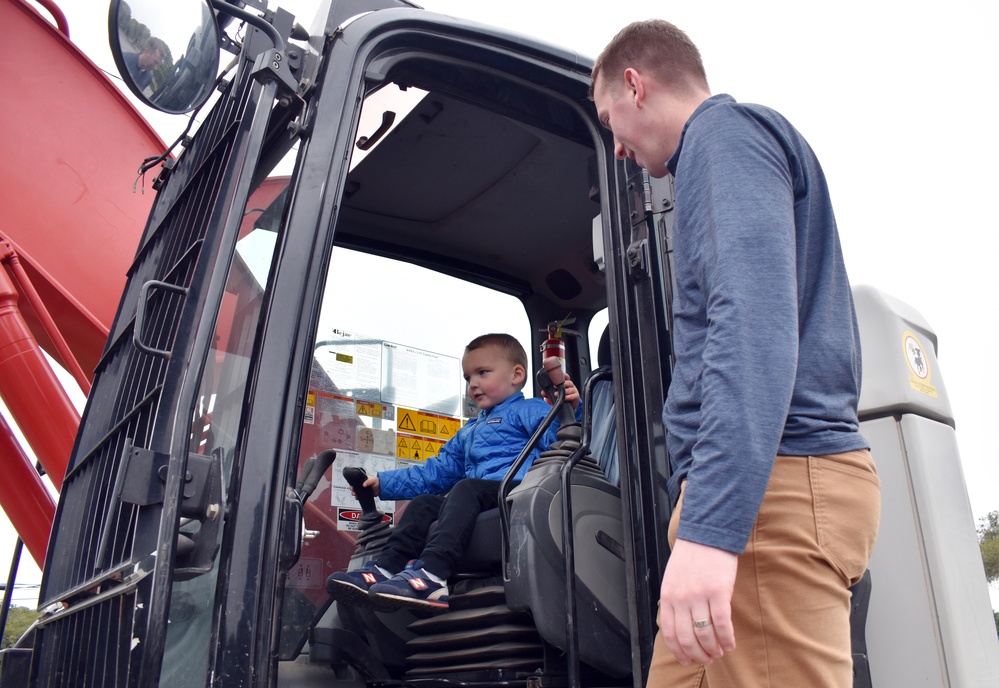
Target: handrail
[506, 483]
[60, 19]
[568, 553]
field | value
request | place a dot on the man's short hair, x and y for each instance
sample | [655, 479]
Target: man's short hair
[508, 344]
[154, 43]
[657, 47]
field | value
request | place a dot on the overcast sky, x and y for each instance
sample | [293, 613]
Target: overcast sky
[899, 101]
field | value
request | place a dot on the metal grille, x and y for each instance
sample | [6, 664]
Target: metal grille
[62, 665]
[97, 540]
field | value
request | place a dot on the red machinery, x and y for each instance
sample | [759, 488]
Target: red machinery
[69, 230]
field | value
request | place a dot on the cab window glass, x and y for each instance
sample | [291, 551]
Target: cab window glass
[386, 390]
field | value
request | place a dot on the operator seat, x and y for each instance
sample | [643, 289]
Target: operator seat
[536, 580]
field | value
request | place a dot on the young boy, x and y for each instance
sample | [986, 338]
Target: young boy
[453, 487]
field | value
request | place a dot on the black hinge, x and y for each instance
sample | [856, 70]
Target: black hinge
[142, 482]
[638, 260]
[639, 197]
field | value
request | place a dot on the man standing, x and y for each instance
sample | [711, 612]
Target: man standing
[142, 66]
[776, 498]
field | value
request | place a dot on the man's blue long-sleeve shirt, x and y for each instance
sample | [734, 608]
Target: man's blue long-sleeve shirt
[765, 332]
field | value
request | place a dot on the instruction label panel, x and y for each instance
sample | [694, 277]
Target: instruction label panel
[422, 379]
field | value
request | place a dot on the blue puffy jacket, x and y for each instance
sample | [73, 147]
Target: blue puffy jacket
[485, 448]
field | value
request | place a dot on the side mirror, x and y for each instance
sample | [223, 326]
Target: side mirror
[166, 52]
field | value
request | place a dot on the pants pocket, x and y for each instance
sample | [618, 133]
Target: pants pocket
[846, 493]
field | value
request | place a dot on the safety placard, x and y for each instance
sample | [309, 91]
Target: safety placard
[421, 435]
[427, 424]
[407, 420]
[447, 427]
[373, 409]
[415, 448]
[415, 377]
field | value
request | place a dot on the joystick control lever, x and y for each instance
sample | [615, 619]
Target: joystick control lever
[355, 477]
[552, 370]
[313, 471]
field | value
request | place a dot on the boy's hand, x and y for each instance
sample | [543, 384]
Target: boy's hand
[571, 393]
[373, 482]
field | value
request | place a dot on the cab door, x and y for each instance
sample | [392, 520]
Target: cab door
[485, 162]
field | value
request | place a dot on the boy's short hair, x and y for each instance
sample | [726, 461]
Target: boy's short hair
[658, 47]
[506, 343]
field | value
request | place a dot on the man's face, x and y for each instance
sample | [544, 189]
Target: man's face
[624, 107]
[150, 59]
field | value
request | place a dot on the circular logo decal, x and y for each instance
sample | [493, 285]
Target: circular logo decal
[916, 356]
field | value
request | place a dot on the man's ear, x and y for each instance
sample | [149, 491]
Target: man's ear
[636, 85]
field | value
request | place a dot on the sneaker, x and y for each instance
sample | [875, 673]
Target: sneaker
[412, 587]
[352, 587]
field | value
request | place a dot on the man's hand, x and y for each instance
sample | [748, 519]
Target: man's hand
[697, 587]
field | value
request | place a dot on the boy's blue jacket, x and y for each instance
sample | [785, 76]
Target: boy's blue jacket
[484, 448]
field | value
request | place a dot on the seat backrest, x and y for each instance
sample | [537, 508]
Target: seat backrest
[603, 440]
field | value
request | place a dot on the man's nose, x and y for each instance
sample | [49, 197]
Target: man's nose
[619, 150]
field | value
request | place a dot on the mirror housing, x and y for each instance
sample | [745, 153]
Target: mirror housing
[167, 53]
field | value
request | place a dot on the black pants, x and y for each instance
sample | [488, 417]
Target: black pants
[455, 514]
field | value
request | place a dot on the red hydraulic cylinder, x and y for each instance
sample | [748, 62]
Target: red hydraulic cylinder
[27, 503]
[31, 391]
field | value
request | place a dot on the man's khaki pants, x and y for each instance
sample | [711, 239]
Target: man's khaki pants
[791, 605]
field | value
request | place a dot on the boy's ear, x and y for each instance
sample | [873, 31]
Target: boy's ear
[519, 374]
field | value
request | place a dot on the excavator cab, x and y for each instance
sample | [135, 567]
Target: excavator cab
[361, 200]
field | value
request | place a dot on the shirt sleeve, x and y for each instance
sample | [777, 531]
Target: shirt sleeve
[740, 197]
[436, 475]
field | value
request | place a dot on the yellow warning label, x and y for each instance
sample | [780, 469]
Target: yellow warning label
[310, 400]
[407, 420]
[448, 427]
[431, 448]
[425, 432]
[369, 408]
[410, 447]
[417, 454]
[427, 424]
[402, 446]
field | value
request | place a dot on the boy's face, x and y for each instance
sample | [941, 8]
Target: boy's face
[491, 377]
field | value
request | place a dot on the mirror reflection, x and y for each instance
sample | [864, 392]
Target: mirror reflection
[167, 53]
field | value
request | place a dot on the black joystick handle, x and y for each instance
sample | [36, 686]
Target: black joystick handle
[553, 368]
[546, 384]
[314, 470]
[365, 495]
